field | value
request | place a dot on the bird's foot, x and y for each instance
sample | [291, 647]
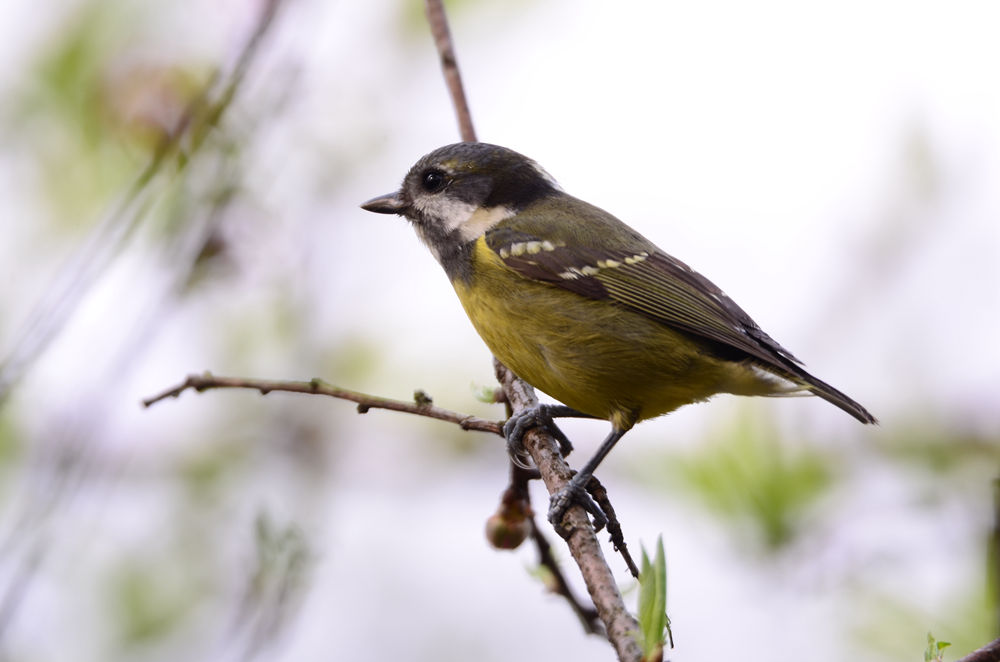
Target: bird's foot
[575, 492]
[538, 416]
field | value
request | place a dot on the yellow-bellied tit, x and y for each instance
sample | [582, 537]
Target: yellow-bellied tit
[583, 307]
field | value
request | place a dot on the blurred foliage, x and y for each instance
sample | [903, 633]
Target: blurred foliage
[99, 117]
[90, 100]
[747, 474]
[204, 473]
[895, 626]
[413, 17]
[275, 583]
[87, 98]
[152, 594]
[943, 450]
[352, 360]
[10, 443]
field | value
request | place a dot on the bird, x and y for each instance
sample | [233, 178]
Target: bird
[583, 307]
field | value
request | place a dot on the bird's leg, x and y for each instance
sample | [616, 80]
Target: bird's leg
[537, 416]
[575, 490]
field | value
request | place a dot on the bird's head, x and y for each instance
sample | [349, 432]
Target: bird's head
[456, 193]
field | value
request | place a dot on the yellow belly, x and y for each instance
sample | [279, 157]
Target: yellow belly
[599, 358]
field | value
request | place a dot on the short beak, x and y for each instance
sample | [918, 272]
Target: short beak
[386, 204]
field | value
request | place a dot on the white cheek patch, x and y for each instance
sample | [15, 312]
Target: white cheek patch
[450, 216]
[453, 215]
[482, 220]
[447, 212]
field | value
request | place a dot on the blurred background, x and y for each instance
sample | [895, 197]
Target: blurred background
[832, 165]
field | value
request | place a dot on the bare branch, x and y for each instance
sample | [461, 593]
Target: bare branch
[421, 407]
[600, 494]
[449, 66]
[988, 653]
[580, 536]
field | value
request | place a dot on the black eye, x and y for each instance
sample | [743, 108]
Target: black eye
[432, 181]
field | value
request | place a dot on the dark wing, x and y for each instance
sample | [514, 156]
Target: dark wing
[644, 279]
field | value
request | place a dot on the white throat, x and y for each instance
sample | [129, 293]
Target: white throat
[455, 216]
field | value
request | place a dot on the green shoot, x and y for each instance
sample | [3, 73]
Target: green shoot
[935, 649]
[654, 624]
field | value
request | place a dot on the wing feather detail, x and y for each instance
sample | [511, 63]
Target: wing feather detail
[646, 281]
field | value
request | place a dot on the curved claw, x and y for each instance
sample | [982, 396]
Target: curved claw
[574, 492]
[516, 426]
[514, 429]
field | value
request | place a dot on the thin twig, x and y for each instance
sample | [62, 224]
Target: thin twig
[449, 66]
[600, 494]
[588, 616]
[421, 407]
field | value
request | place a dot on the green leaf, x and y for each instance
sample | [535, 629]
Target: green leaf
[654, 624]
[933, 652]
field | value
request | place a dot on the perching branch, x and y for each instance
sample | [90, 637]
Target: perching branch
[421, 406]
[619, 624]
[580, 536]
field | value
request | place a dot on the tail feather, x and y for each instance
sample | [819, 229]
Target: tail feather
[835, 397]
